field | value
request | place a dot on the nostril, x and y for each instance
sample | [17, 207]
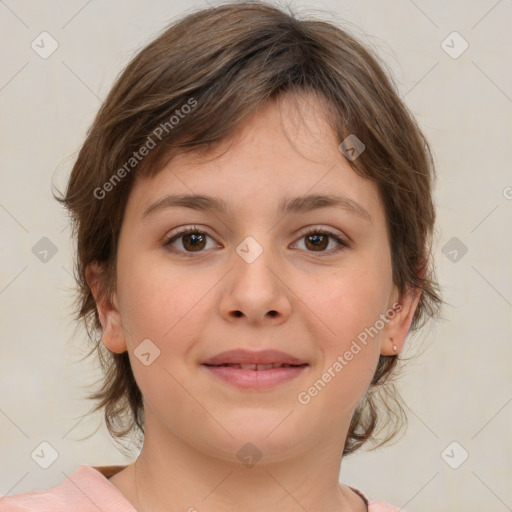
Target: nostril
[272, 313]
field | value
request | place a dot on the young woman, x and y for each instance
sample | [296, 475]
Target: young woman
[253, 216]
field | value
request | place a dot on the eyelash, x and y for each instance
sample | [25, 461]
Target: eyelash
[343, 244]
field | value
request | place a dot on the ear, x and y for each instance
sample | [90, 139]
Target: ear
[400, 314]
[108, 309]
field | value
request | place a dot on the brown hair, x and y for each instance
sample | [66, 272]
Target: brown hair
[191, 88]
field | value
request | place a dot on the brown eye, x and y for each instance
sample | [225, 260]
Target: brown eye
[188, 241]
[193, 241]
[317, 242]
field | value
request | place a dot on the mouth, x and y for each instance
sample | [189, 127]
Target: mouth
[250, 360]
[255, 371]
[256, 367]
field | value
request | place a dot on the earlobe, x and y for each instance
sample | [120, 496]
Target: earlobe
[113, 334]
[108, 310]
[400, 323]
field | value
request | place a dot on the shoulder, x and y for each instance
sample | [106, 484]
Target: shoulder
[380, 506]
[376, 505]
[84, 490]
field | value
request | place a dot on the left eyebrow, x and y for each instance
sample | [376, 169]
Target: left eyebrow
[301, 204]
[310, 202]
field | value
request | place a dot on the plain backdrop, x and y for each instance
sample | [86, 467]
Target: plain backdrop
[459, 386]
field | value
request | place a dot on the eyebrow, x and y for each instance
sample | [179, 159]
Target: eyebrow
[301, 204]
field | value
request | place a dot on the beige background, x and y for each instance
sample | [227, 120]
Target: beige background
[458, 389]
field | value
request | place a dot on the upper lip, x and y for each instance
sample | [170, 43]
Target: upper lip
[242, 356]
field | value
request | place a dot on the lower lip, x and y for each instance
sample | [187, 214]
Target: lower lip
[256, 379]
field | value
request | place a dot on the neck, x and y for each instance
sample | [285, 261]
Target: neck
[173, 475]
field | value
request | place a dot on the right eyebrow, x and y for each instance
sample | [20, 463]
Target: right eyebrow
[192, 201]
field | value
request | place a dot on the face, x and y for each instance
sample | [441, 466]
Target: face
[314, 282]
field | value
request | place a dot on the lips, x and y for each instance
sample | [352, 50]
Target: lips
[259, 361]
[256, 371]
[257, 367]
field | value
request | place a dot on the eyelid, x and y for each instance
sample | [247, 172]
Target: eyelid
[182, 230]
[317, 228]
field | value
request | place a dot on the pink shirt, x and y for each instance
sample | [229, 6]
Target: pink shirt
[88, 489]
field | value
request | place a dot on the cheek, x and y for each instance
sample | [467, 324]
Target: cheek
[338, 318]
[163, 305]
[161, 302]
[349, 300]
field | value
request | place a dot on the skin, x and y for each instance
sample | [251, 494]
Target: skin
[195, 423]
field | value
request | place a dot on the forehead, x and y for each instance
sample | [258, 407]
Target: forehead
[285, 149]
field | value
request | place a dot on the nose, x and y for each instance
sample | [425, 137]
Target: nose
[256, 290]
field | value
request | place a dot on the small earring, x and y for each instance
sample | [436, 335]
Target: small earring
[394, 346]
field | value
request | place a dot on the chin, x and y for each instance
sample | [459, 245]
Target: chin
[266, 438]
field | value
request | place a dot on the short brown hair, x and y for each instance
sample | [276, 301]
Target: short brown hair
[225, 62]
